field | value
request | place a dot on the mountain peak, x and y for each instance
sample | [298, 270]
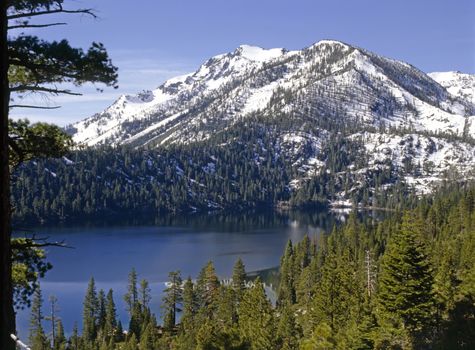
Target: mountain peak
[330, 42]
[258, 54]
[330, 79]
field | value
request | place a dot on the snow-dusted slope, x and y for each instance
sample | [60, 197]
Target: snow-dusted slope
[327, 79]
[147, 115]
[458, 84]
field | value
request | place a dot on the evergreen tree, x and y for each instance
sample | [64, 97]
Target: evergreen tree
[75, 340]
[144, 293]
[173, 299]
[37, 337]
[306, 283]
[60, 342]
[207, 289]
[256, 318]
[90, 308]
[333, 299]
[239, 278]
[131, 297]
[101, 311]
[186, 338]
[286, 291]
[110, 325]
[189, 304]
[405, 296]
[303, 255]
[136, 320]
[54, 318]
[226, 313]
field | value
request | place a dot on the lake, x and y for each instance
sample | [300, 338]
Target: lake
[108, 250]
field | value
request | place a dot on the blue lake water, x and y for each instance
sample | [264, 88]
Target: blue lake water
[108, 251]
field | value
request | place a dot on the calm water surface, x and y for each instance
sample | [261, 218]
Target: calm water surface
[107, 252]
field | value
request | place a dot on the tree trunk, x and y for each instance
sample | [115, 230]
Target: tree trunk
[7, 314]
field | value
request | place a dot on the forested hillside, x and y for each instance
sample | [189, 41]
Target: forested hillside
[260, 162]
[407, 282]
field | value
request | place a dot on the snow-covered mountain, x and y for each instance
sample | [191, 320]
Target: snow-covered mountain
[329, 78]
[398, 112]
[458, 84]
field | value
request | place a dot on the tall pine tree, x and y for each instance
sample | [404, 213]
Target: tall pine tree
[37, 337]
[173, 299]
[405, 297]
[90, 308]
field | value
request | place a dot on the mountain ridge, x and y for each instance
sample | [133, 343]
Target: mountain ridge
[420, 126]
[150, 110]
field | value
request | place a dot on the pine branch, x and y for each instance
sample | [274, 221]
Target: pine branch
[32, 244]
[35, 242]
[31, 106]
[48, 12]
[36, 25]
[36, 67]
[43, 89]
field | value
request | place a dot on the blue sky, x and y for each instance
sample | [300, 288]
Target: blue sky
[153, 40]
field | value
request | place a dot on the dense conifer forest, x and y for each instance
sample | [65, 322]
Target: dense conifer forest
[243, 167]
[407, 282]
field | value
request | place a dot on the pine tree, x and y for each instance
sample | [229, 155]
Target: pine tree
[306, 284]
[405, 296]
[333, 298]
[136, 320]
[256, 318]
[110, 325]
[172, 299]
[239, 278]
[60, 338]
[189, 307]
[37, 337]
[226, 314]
[286, 291]
[303, 255]
[144, 293]
[74, 340]
[101, 311]
[90, 308]
[207, 288]
[54, 318]
[131, 297]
